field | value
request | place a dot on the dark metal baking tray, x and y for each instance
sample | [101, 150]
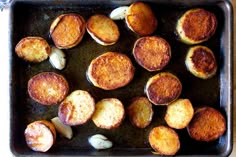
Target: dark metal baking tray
[33, 18]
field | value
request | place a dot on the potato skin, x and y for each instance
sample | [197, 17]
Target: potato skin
[179, 113]
[110, 71]
[163, 88]
[48, 88]
[141, 19]
[33, 49]
[164, 140]
[67, 30]
[196, 26]
[40, 135]
[208, 124]
[201, 62]
[152, 53]
[140, 112]
[103, 29]
[77, 108]
[109, 113]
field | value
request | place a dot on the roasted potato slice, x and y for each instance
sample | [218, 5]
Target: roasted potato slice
[77, 108]
[110, 71]
[196, 26]
[140, 112]
[48, 88]
[163, 88]
[33, 49]
[40, 135]
[201, 62]
[103, 29]
[164, 140]
[109, 113]
[179, 113]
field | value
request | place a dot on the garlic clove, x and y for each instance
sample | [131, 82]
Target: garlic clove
[119, 13]
[57, 58]
[99, 141]
[63, 129]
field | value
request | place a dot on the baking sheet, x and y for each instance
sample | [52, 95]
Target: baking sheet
[33, 18]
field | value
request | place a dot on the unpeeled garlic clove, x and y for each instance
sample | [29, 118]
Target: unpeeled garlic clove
[99, 141]
[57, 58]
[119, 13]
[63, 129]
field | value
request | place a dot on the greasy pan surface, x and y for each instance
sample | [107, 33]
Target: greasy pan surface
[33, 18]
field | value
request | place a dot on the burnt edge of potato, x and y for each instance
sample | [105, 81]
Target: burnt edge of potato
[164, 140]
[110, 71]
[35, 135]
[67, 30]
[109, 113]
[33, 49]
[48, 88]
[201, 62]
[77, 108]
[152, 53]
[140, 112]
[208, 124]
[141, 19]
[163, 88]
[103, 29]
[196, 26]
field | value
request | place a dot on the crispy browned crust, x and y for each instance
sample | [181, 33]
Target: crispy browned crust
[110, 71]
[208, 124]
[152, 53]
[199, 24]
[33, 49]
[163, 88]
[202, 62]
[141, 19]
[37, 133]
[103, 28]
[48, 88]
[77, 108]
[67, 30]
[164, 140]
[109, 113]
[179, 113]
[140, 112]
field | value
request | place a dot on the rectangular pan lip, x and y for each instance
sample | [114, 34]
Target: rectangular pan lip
[229, 57]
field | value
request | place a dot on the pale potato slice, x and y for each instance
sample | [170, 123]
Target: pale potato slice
[109, 113]
[77, 108]
[40, 135]
[140, 112]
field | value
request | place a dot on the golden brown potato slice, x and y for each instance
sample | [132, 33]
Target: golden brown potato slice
[109, 113]
[163, 88]
[208, 124]
[179, 113]
[164, 140]
[110, 71]
[140, 112]
[141, 19]
[77, 108]
[40, 135]
[48, 88]
[196, 26]
[152, 53]
[201, 62]
[103, 29]
[67, 30]
[33, 49]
